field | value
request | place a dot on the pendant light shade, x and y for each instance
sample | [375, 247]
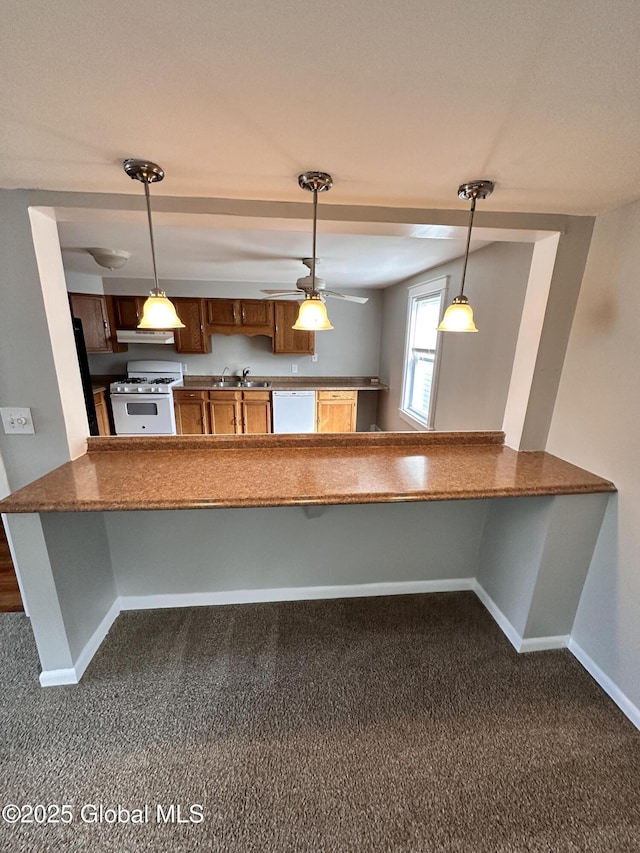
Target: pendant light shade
[158, 311]
[459, 315]
[312, 316]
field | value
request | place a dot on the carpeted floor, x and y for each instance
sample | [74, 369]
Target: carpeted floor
[359, 725]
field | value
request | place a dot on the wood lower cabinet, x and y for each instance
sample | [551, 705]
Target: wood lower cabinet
[289, 340]
[102, 413]
[193, 338]
[225, 412]
[233, 412]
[256, 412]
[336, 411]
[192, 412]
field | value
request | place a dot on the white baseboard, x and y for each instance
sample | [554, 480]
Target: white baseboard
[301, 593]
[55, 677]
[621, 699]
[531, 644]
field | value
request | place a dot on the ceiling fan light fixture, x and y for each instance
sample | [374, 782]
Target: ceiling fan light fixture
[312, 316]
[158, 312]
[459, 315]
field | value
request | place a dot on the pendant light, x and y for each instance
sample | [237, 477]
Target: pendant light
[312, 316]
[158, 311]
[459, 315]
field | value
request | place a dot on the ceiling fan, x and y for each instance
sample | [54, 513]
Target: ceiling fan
[310, 286]
[305, 287]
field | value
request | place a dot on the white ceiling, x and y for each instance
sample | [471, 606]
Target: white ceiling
[250, 254]
[400, 101]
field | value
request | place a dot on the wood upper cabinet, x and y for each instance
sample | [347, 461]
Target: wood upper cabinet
[193, 338]
[91, 308]
[336, 411]
[192, 412]
[289, 340]
[239, 316]
[127, 311]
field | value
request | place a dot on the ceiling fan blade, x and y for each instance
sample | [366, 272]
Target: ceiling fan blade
[282, 292]
[333, 295]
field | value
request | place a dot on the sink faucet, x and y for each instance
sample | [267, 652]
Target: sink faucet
[245, 373]
[226, 370]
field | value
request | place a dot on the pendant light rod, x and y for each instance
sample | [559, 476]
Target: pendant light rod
[472, 190]
[153, 245]
[147, 173]
[315, 182]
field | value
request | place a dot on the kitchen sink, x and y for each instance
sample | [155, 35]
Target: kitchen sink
[240, 384]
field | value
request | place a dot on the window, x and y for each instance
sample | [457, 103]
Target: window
[421, 352]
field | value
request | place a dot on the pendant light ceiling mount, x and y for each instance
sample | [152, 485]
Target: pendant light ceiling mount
[315, 182]
[473, 190]
[459, 315]
[158, 312]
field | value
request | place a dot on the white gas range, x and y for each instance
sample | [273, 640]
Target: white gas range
[142, 404]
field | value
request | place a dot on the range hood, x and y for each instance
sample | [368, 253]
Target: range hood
[144, 336]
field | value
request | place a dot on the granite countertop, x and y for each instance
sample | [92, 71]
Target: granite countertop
[291, 383]
[199, 472]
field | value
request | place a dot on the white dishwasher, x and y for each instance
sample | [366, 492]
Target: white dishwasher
[294, 411]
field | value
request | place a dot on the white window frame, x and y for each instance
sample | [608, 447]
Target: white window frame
[433, 287]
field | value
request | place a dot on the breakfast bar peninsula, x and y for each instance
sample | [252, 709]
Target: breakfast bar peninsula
[183, 521]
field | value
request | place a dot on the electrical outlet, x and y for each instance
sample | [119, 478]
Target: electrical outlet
[185, 367]
[17, 421]
[294, 368]
[314, 357]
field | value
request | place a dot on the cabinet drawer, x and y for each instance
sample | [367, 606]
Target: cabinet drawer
[189, 395]
[337, 395]
[256, 395]
[225, 395]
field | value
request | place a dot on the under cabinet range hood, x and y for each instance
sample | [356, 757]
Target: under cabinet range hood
[144, 336]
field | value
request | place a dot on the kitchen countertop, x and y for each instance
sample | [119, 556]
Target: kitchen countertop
[199, 472]
[290, 383]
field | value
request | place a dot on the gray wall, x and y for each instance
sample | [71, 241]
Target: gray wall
[280, 547]
[352, 349]
[595, 425]
[475, 369]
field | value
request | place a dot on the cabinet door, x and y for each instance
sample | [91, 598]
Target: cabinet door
[222, 312]
[92, 310]
[289, 340]
[256, 412]
[191, 412]
[336, 411]
[225, 416]
[127, 311]
[256, 312]
[102, 413]
[193, 337]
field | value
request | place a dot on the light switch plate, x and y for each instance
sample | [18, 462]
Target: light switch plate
[17, 421]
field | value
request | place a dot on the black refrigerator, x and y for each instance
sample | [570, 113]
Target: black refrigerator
[85, 375]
